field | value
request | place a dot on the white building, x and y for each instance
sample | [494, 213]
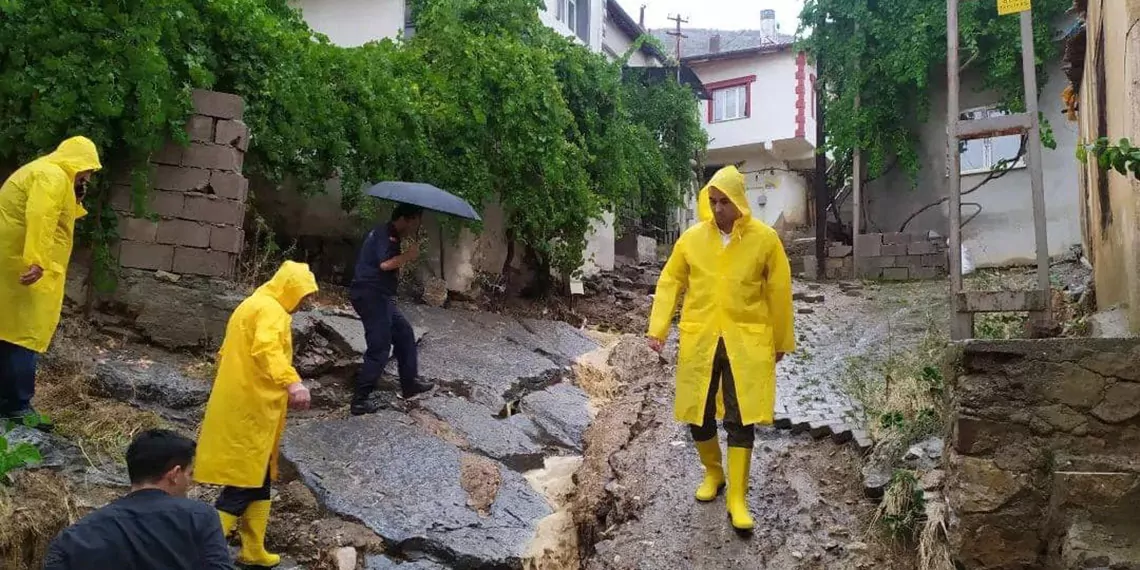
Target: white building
[602, 25]
[761, 116]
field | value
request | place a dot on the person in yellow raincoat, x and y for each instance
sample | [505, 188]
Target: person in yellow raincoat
[736, 324]
[255, 385]
[39, 205]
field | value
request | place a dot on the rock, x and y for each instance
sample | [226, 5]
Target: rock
[344, 558]
[166, 276]
[404, 485]
[562, 412]
[981, 487]
[808, 297]
[498, 439]
[59, 454]
[385, 563]
[435, 292]
[1121, 403]
[144, 382]
[876, 478]
[631, 358]
[177, 316]
[346, 334]
[932, 481]
[805, 310]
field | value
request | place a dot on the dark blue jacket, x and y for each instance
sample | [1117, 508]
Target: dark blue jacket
[146, 530]
[380, 245]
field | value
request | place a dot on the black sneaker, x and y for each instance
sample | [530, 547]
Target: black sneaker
[415, 388]
[365, 407]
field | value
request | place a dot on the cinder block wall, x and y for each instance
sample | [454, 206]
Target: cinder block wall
[198, 194]
[900, 257]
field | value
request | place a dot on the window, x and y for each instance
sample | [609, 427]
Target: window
[730, 104]
[980, 156]
[576, 15]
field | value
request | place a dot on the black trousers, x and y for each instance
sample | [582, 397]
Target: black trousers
[739, 435]
[235, 500]
[385, 329]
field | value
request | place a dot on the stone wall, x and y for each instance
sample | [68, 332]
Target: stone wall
[901, 257]
[1043, 469]
[198, 195]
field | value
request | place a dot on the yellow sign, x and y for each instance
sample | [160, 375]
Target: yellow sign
[1007, 7]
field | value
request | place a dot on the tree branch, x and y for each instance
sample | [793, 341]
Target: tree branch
[1004, 167]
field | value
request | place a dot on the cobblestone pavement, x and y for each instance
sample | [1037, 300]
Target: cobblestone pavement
[835, 322]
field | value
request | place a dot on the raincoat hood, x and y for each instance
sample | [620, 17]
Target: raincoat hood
[292, 283]
[730, 181]
[75, 155]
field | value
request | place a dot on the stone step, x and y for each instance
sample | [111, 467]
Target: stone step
[1092, 514]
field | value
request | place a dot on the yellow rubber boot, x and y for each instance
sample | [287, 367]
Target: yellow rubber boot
[739, 465]
[252, 532]
[228, 522]
[714, 470]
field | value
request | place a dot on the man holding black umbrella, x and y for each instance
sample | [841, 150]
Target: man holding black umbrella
[373, 295]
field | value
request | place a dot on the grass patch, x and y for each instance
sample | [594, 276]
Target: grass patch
[34, 509]
[934, 543]
[903, 509]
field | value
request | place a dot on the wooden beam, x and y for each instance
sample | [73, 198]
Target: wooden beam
[961, 322]
[1003, 301]
[994, 126]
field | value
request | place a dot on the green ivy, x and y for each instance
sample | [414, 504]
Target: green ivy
[890, 53]
[1123, 158]
[484, 100]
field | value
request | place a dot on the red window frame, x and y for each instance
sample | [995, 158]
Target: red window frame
[746, 82]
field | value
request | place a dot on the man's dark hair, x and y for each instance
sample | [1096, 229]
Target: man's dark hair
[155, 452]
[407, 212]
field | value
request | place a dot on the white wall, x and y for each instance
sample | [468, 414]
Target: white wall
[599, 254]
[784, 192]
[1003, 233]
[352, 23]
[616, 43]
[597, 12]
[774, 99]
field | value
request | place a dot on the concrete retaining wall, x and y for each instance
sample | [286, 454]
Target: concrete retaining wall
[198, 195]
[1042, 466]
[901, 257]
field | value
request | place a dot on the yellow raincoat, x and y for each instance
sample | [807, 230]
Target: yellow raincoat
[38, 210]
[246, 413]
[742, 293]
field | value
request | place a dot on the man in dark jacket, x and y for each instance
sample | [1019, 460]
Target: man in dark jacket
[155, 526]
[373, 295]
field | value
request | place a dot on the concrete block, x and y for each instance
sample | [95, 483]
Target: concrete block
[896, 274]
[925, 273]
[834, 263]
[920, 248]
[213, 210]
[184, 233]
[202, 262]
[811, 268]
[868, 246]
[213, 157]
[200, 128]
[233, 133]
[938, 260]
[150, 256]
[121, 198]
[167, 204]
[839, 251]
[229, 185]
[137, 229]
[870, 273]
[896, 239]
[170, 154]
[218, 105]
[895, 249]
[646, 249]
[227, 238]
[181, 179]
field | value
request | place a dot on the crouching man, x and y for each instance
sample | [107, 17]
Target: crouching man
[245, 417]
[736, 324]
[155, 526]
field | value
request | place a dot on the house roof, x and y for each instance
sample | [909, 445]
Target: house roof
[631, 28]
[696, 41]
[746, 52]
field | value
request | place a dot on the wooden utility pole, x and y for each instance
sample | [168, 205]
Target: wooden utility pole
[966, 304]
[679, 35]
[821, 194]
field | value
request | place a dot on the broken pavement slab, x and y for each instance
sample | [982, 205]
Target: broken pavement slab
[405, 485]
[562, 412]
[385, 563]
[485, 434]
[145, 382]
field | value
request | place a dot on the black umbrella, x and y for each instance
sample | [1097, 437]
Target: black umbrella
[425, 196]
